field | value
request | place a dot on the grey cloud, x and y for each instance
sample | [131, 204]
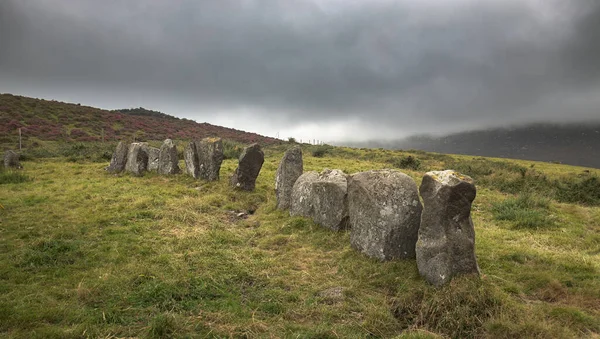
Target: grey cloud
[420, 65]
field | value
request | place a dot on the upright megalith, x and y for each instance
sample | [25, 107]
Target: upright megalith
[137, 158]
[119, 158]
[11, 160]
[190, 156]
[446, 245]
[210, 157]
[153, 155]
[250, 163]
[289, 170]
[167, 159]
[385, 214]
[322, 197]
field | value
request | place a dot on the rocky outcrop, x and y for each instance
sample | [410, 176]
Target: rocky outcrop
[322, 197]
[446, 245]
[250, 163]
[119, 158]
[385, 214]
[167, 159]
[210, 157]
[289, 170]
[137, 158]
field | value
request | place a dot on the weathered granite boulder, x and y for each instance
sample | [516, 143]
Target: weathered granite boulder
[153, 155]
[167, 159]
[137, 158]
[446, 245]
[190, 156]
[323, 198]
[385, 214]
[119, 158]
[289, 170]
[250, 163]
[210, 157]
[301, 201]
[11, 160]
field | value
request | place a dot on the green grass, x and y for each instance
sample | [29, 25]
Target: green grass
[525, 211]
[88, 254]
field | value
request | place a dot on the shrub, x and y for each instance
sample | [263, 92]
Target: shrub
[585, 191]
[232, 149]
[320, 151]
[407, 162]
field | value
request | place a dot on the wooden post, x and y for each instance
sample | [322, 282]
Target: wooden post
[20, 139]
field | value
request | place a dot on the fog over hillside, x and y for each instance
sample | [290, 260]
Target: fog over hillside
[574, 144]
[330, 70]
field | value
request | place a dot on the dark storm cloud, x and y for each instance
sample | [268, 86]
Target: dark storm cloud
[423, 66]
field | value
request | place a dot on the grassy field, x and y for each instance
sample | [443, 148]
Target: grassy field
[87, 254]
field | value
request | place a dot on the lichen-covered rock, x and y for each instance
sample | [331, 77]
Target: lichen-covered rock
[322, 197]
[119, 158]
[153, 155]
[190, 156]
[446, 245]
[250, 163]
[385, 214]
[167, 159]
[289, 170]
[210, 157]
[137, 158]
[301, 202]
[11, 160]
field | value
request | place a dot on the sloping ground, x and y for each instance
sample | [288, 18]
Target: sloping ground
[57, 121]
[87, 254]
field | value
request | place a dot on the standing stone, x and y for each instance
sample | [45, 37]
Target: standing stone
[210, 157]
[446, 245]
[137, 158]
[119, 158]
[301, 198]
[250, 163]
[11, 160]
[190, 156]
[323, 198]
[289, 170]
[385, 214]
[153, 155]
[167, 159]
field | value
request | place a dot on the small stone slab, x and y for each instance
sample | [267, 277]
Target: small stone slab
[289, 170]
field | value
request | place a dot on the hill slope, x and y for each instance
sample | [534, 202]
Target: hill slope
[53, 120]
[574, 144]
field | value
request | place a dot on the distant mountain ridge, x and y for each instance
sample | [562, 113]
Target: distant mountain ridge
[573, 144]
[54, 120]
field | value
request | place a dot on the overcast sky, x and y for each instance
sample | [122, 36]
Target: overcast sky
[326, 69]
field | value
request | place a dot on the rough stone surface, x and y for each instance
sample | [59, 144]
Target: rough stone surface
[385, 214]
[250, 163]
[11, 160]
[167, 159]
[322, 197]
[301, 198]
[137, 158]
[153, 155]
[190, 156]
[289, 170]
[446, 245]
[210, 157]
[119, 158]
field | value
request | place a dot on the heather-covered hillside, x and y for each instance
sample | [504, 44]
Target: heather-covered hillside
[53, 120]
